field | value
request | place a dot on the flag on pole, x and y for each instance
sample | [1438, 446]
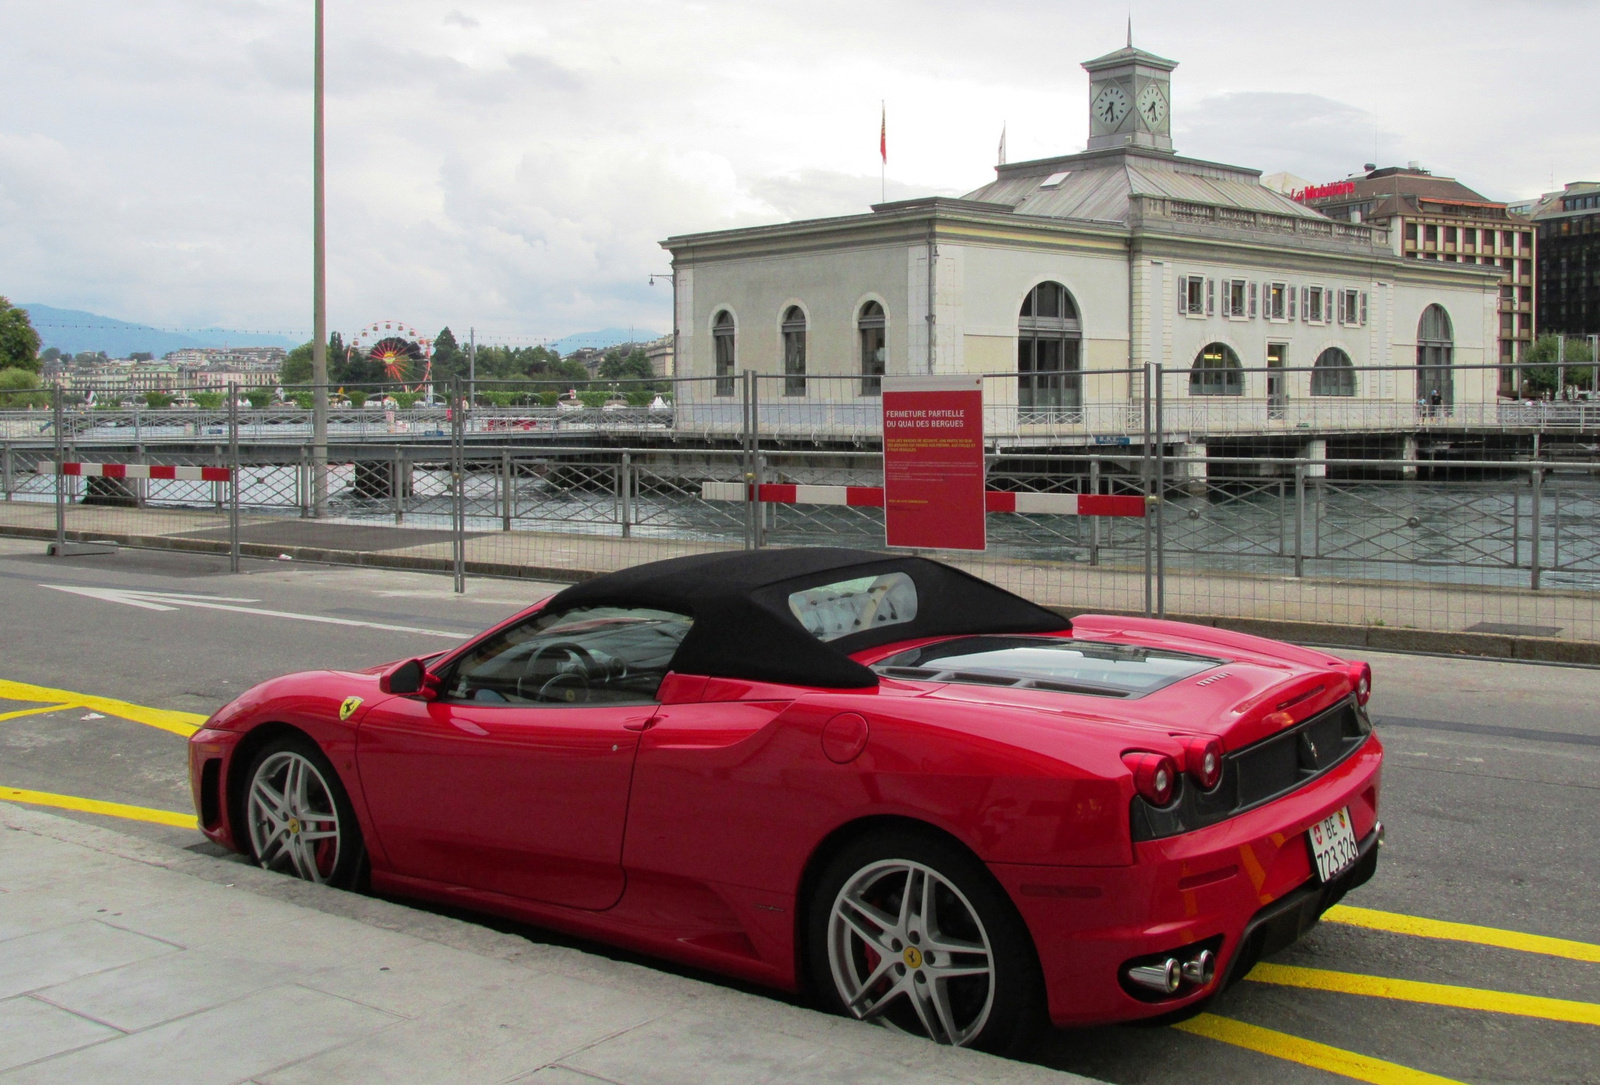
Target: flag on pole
[883, 134]
[1002, 143]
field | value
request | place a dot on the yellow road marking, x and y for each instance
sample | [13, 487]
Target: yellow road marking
[179, 723]
[97, 806]
[35, 711]
[1434, 994]
[1335, 1060]
[1462, 932]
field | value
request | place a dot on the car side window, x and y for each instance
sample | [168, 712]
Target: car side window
[586, 656]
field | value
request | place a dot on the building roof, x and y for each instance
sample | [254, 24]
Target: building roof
[1396, 190]
[1098, 185]
[1553, 205]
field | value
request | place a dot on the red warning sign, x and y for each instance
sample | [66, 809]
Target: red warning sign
[933, 477]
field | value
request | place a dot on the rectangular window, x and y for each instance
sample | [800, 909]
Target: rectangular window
[1192, 295]
[1277, 301]
[1237, 305]
[1350, 307]
[1311, 305]
[1432, 235]
[1411, 231]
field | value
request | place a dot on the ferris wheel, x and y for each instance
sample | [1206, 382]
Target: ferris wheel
[406, 357]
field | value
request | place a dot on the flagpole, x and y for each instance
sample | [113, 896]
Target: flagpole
[883, 152]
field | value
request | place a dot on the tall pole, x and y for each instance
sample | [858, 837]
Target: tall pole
[472, 365]
[319, 290]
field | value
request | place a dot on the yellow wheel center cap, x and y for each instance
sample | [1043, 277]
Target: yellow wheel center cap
[294, 825]
[913, 957]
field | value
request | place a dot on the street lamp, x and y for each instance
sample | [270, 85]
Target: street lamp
[319, 291]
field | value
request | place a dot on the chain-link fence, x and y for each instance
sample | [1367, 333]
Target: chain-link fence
[1384, 525]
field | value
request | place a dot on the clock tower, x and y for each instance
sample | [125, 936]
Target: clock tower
[1130, 100]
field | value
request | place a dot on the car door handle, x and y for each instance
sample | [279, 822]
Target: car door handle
[638, 723]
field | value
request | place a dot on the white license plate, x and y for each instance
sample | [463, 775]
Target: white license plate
[1333, 845]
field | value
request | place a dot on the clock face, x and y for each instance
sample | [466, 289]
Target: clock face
[1152, 106]
[1110, 106]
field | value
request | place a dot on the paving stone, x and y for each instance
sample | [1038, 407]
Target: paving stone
[30, 1029]
[146, 993]
[239, 1040]
[66, 953]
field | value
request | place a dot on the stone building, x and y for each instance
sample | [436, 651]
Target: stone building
[1440, 219]
[1063, 277]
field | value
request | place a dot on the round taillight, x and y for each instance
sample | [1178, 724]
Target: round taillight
[1361, 679]
[1155, 775]
[1203, 760]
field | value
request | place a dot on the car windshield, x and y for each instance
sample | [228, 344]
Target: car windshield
[1063, 665]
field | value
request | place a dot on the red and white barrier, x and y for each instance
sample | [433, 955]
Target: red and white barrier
[137, 470]
[872, 497]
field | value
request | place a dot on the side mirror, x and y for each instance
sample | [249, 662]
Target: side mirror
[409, 679]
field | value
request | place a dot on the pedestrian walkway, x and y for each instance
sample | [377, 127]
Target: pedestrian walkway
[1553, 624]
[123, 961]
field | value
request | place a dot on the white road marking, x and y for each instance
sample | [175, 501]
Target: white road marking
[161, 600]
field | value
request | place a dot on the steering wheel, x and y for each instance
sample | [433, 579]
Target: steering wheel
[578, 654]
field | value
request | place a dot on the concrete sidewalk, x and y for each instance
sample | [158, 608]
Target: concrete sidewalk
[125, 961]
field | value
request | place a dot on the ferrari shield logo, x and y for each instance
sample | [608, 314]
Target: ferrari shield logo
[347, 709]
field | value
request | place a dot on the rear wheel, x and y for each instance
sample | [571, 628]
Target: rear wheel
[912, 932]
[299, 818]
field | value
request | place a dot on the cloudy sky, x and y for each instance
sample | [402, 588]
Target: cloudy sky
[512, 165]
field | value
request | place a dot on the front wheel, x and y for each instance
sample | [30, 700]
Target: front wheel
[299, 818]
[913, 932]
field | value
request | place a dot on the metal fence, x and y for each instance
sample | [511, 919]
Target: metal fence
[603, 482]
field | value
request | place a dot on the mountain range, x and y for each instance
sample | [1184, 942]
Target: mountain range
[74, 330]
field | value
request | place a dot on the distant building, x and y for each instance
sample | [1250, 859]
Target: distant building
[1569, 258]
[1440, 219]
[659, 351]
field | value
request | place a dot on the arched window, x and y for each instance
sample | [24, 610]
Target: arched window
[1049, 339]
[794, 351]
[1435, 348]
[874, 347]
[1333, 375]
[722, 351]
[1216, 372]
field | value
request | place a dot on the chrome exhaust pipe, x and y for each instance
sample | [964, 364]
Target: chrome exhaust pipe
[1380, 834]
[1163, 977]
[1202, 970]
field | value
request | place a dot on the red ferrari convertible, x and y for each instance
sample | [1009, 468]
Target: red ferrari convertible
[926, 801]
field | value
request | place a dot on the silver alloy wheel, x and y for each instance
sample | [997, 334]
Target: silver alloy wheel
[294, 822]
[908, 949]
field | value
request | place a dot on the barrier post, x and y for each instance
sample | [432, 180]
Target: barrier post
[749, 462]
[5, 467]
[1144, 475]
[1161, 497]
[625, 486]
[1094, 521]
[302, 483]
[506, 489]
[1537, 528]
[233, 477]
[1299, 520]
[458, 482]
[61, 496]
[397, 484]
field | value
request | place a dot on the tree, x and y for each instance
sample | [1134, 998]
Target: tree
[20, 388]
[50, 354]
[633, 366]
[141, 356]
[19, 343]
[1543, 374]
[296, 368]
[449, 360]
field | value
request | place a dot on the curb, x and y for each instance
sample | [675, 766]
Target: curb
[1378, 638]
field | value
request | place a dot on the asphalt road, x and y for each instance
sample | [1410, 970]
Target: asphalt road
[1491, 799]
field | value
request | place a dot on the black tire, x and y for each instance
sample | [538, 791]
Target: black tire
[285, 833]
[1000, 1011]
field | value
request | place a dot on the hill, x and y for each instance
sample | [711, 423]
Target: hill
[74, 330]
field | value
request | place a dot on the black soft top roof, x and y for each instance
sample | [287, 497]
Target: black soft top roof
[744, 628]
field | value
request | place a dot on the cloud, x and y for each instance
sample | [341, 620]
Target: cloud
[512, 165]
[1306, 134]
